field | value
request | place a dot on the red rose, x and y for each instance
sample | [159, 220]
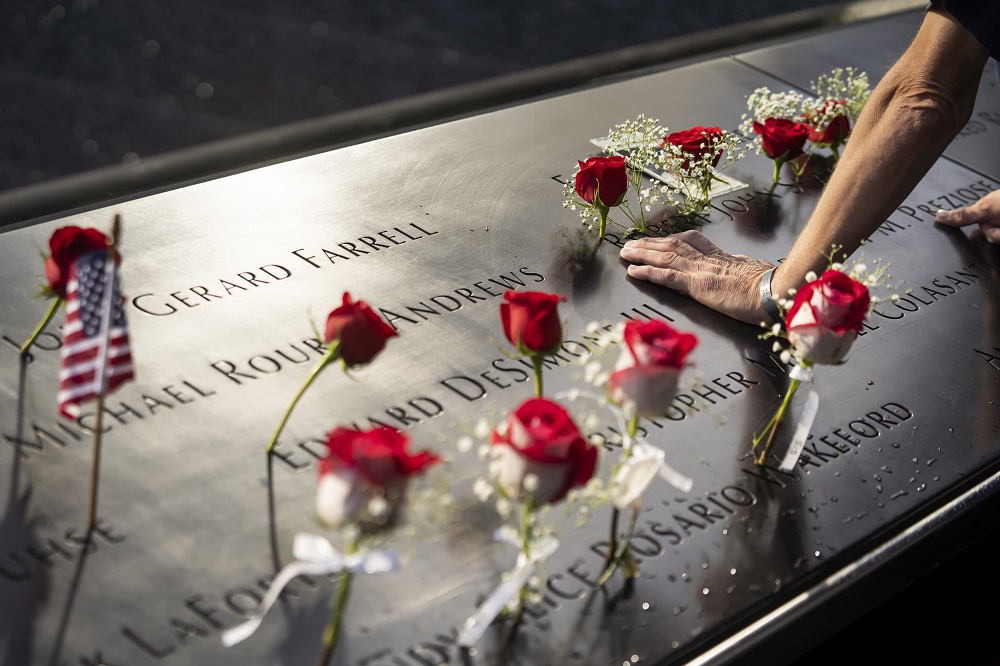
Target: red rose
[602, 181]
[364, 465]
[836, 129]
[531, 321]
[649, 366]
[66, 245]
[826, 317]
[697, 142]
[540, 453]
[782, 138]
[361, 332]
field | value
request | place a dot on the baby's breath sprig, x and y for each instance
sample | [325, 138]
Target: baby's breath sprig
[762, 104]
[697, 173]
[639, 142]
[855, 90]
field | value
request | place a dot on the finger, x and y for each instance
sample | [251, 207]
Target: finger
[699, 242]
[659, 258]
[991, 233]
[665, 277]
[962, 217]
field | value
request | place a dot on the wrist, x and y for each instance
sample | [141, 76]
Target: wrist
[767, 299]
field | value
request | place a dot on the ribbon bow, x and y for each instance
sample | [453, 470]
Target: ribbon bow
[637, 470]
[314, 556]
[804, 375]
[476, 625]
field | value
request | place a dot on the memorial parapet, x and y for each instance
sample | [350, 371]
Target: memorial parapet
[431, 227]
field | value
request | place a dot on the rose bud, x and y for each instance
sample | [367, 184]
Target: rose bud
[531, 321]
[782, 138]
[697, 142]
[836, 129]
[361, 333]
[66, 245]
[826, 317]
[364, 475]
[602, 181]
[652, 357]
[539, 454]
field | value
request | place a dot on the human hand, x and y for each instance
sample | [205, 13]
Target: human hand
[985, 213]
[689, 263]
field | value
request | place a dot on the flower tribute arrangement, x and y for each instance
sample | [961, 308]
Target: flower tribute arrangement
[531, 323]
[820, 322]
[354, 335]
[695, 157]
[363, 482]
[789, 127]
[642, 383]
[684, 166]
[66, 245]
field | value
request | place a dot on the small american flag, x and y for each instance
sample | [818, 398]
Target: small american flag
[95, 356]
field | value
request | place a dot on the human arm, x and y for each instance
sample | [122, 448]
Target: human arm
[912, 115]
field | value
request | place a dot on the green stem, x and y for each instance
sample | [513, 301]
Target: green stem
[332, 354]
[778, 163]
[332, 633]
[56, 302]
[527, 529]
[775, 422]
[536, 361]
[603, 212]
[622, 555]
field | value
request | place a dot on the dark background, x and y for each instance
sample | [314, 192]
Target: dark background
[92, 83]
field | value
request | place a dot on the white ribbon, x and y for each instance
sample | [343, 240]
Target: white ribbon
[644, 463]
[804, 375]
[801, 431]
[315, 556]
[505, 592]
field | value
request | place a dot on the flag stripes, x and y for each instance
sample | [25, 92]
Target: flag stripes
[96, 357]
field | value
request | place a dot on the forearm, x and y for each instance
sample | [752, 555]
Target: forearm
[912, 116]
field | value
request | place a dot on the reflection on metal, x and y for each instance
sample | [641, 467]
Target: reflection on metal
[224, 277]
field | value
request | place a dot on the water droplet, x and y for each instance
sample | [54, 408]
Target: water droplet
[678, 610]
[878, 489]
[704, 565]
[895, 445]
[871, 383]
[931, 462]
[915, 461]
[951, 430]
[898, 493]
[634, 659]
[833, 499]
[847, 520]
[817, 553]
[686, 578]
[647, 606]
[704, 590]
[674, 644]
[921, 487]
[725, 531]
[878, 478]
[473, 652]
[732, 572]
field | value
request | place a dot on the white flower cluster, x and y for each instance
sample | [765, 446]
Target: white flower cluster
[695, 174]
[764, 104]
[855, 90]
[846, 85]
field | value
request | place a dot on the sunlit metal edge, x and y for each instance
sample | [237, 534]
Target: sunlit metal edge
[725, 651]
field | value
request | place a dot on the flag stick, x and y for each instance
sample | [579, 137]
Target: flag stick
[95, 469]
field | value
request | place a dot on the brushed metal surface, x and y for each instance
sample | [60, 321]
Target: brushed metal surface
[184, 503]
